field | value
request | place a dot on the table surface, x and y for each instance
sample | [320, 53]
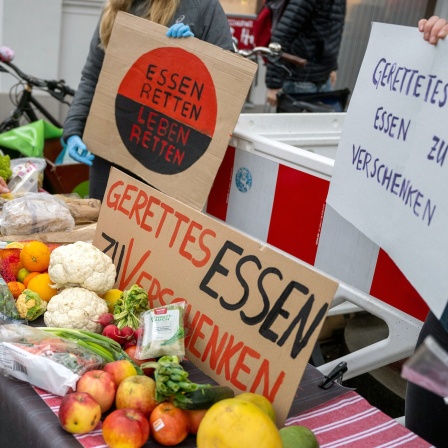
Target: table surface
[340, 417]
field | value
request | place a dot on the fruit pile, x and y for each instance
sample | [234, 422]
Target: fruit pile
[127, 402]
[21, 263]
[136, 399]
[37, 274]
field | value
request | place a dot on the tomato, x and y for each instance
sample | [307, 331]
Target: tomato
[131, 352]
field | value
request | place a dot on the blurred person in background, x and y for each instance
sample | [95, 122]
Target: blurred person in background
[204, 19]
[312, 30]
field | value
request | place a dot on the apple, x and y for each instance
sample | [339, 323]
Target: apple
[137, 392]
[195, 417]
[79, 413]
[101, 385]
[120, 370]
[126, 428]
[169, 425]
[131, 352]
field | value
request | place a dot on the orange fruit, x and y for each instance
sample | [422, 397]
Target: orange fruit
[16, 288]
[27, 279]
[41, 284]
[35, 256]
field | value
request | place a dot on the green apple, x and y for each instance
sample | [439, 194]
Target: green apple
[294, 436]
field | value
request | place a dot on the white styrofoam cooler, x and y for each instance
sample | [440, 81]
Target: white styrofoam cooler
[273, 185]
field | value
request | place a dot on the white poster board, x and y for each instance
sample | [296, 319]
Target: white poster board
[391, 174]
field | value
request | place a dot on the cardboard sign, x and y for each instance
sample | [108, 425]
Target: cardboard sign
[389, 179]
[165, 108]
[254, 314]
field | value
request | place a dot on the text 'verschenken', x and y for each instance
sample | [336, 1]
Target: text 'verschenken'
[395, 183]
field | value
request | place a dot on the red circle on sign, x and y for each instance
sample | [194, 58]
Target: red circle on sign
[166, 109]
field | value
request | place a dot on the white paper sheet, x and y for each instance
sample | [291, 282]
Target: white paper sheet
[397, 123]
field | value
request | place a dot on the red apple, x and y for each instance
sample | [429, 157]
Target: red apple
[137, 392]
[101, 385]
[169, 425]
[120, 370]
[79, 413]
[194, 419]
[131, 352]
[125, 428]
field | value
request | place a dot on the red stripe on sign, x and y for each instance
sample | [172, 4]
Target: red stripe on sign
[218, 199]
[391, 286]
[297, 213]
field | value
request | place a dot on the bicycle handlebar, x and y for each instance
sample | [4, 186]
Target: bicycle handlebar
[274, 50]
[57, 89]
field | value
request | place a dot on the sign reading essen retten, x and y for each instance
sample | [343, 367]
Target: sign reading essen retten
[166, 118]
[389, 178]
[254, 314]
[165, 108]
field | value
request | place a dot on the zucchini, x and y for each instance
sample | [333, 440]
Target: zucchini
[203, 398]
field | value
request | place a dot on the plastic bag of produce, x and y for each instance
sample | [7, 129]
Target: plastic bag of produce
[35, 213]
[162, 332]
[43, 360]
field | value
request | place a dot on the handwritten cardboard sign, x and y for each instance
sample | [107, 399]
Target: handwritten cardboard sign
[165, 108]
[254, 314]
[390, 178]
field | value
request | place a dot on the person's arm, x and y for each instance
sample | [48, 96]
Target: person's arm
[215, 27]
[433, 29]
[79, 109]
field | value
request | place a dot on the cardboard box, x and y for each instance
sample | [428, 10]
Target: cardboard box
[62, 179]
[241, 7]
[165, 108]
[253, 314]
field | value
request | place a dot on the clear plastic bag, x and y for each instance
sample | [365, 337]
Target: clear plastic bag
[35, 213]
[428, 367]
[43, 360]
[162, 332]
[8, 310]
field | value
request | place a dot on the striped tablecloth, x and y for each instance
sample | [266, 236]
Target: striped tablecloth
[346, 421]
[351, 421]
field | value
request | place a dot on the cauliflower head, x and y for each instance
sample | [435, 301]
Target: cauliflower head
[81, 264]
[29, 305]
[75, 308]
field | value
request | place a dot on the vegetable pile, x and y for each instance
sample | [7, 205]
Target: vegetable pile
[103, 346]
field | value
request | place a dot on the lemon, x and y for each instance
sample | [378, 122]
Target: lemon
[111, 297]
[234, 423]
[23, 272]
[14, 245]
